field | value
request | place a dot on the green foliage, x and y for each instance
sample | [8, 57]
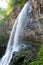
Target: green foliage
[0, 22]
[26, 62]
[3, 13]
[15, 2]
[3, 16]
[20, 3]
[11, 4]
[40, 53]
[39, 61]
[3, 38]
[21, 53]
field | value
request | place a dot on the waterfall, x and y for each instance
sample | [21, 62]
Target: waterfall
[17, 30]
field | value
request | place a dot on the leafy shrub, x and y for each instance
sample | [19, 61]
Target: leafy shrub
[39, 61]
[3, 38]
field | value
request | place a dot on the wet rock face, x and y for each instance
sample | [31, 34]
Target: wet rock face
[36, 30]
[33, 30]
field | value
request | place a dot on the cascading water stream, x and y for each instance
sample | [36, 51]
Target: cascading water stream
[19, 25]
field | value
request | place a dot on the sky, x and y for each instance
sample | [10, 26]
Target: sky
[3, 4]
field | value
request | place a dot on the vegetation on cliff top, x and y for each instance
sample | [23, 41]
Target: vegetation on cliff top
[11, 3]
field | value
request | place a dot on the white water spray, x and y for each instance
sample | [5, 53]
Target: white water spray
[19, 25]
